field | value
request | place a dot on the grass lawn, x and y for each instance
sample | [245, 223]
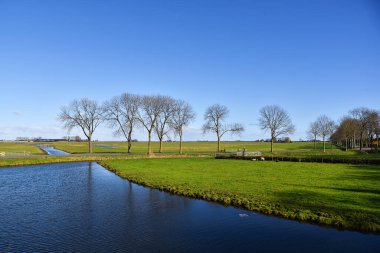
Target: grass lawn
[295, 149]
[340, 195]
[49, 159]
[198, 147]
[19, 147]
[5, 162]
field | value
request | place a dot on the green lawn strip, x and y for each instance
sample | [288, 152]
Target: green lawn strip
[295, 149]
[7, 162]
[340, 195]
[20, 148]
[197, 147]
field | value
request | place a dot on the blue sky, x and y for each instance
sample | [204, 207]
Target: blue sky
[310, 57]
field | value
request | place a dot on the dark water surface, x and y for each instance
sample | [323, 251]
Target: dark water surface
[82, 207]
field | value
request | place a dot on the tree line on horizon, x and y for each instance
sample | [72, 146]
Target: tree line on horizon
[359, 129]
[158, 115]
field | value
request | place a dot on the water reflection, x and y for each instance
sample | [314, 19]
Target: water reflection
[83, 207]
[52, 151]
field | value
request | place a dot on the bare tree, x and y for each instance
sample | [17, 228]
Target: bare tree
[85, 114]
[372, 125]
[313, 131]
[277, 120]
[121, 113]
[346, 130]
[326, 127]
[215, 116]
[164, 117]
[361, 115]
[149, 111]
[377, 134]
[183, 114]
[377, 129]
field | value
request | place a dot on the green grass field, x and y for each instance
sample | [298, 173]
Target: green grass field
[198, 147]
[295, 149]
[339, 195]
[20, 147]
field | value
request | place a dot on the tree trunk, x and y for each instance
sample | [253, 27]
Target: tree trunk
[346, 144]
[271, 144]
[149, 140]
[377, 141]
[129, 141]
[361, 141]
[324, 145]
[218, 143]
[315, 143]
[129, 145]
[180, 143]
[160, 145]
[90, 144]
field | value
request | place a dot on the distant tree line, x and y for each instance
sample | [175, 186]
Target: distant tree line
[159, 115]
[155, 114]
[359, 129]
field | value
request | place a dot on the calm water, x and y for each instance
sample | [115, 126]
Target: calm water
[106, 146]
[82, 207]
[53, 151]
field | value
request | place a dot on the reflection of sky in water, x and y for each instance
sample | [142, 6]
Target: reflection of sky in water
[106, 147]
[53, 151]
[83, 207]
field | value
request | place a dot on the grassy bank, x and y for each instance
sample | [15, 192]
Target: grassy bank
[6, 162]
[20, 148]
[295, 149]
[44, 160]
[198, 147]
[340, 195]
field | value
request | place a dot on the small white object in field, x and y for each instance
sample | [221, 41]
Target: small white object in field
[262, 158]
[254, 159]
[243, 215]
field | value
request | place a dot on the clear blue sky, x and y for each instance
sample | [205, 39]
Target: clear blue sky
[311, 57]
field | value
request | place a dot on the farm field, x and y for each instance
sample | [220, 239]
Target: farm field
[294, 149]
[19, 148]
[339, 195]
[197, 147]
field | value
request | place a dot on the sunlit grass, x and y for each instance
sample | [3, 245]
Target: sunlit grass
[197, 147]
[339, 195]
[19, 147]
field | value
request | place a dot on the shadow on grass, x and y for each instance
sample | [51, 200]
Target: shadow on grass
[353, 202]
[333, 210]
[359, 185]
[349, 189]
[364, 173]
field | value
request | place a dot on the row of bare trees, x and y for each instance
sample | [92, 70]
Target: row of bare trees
[156, 114]
[358, 129]
[361, 128]
[323, 127]
[160, 115]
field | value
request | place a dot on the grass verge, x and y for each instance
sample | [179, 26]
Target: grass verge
[340, 195]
